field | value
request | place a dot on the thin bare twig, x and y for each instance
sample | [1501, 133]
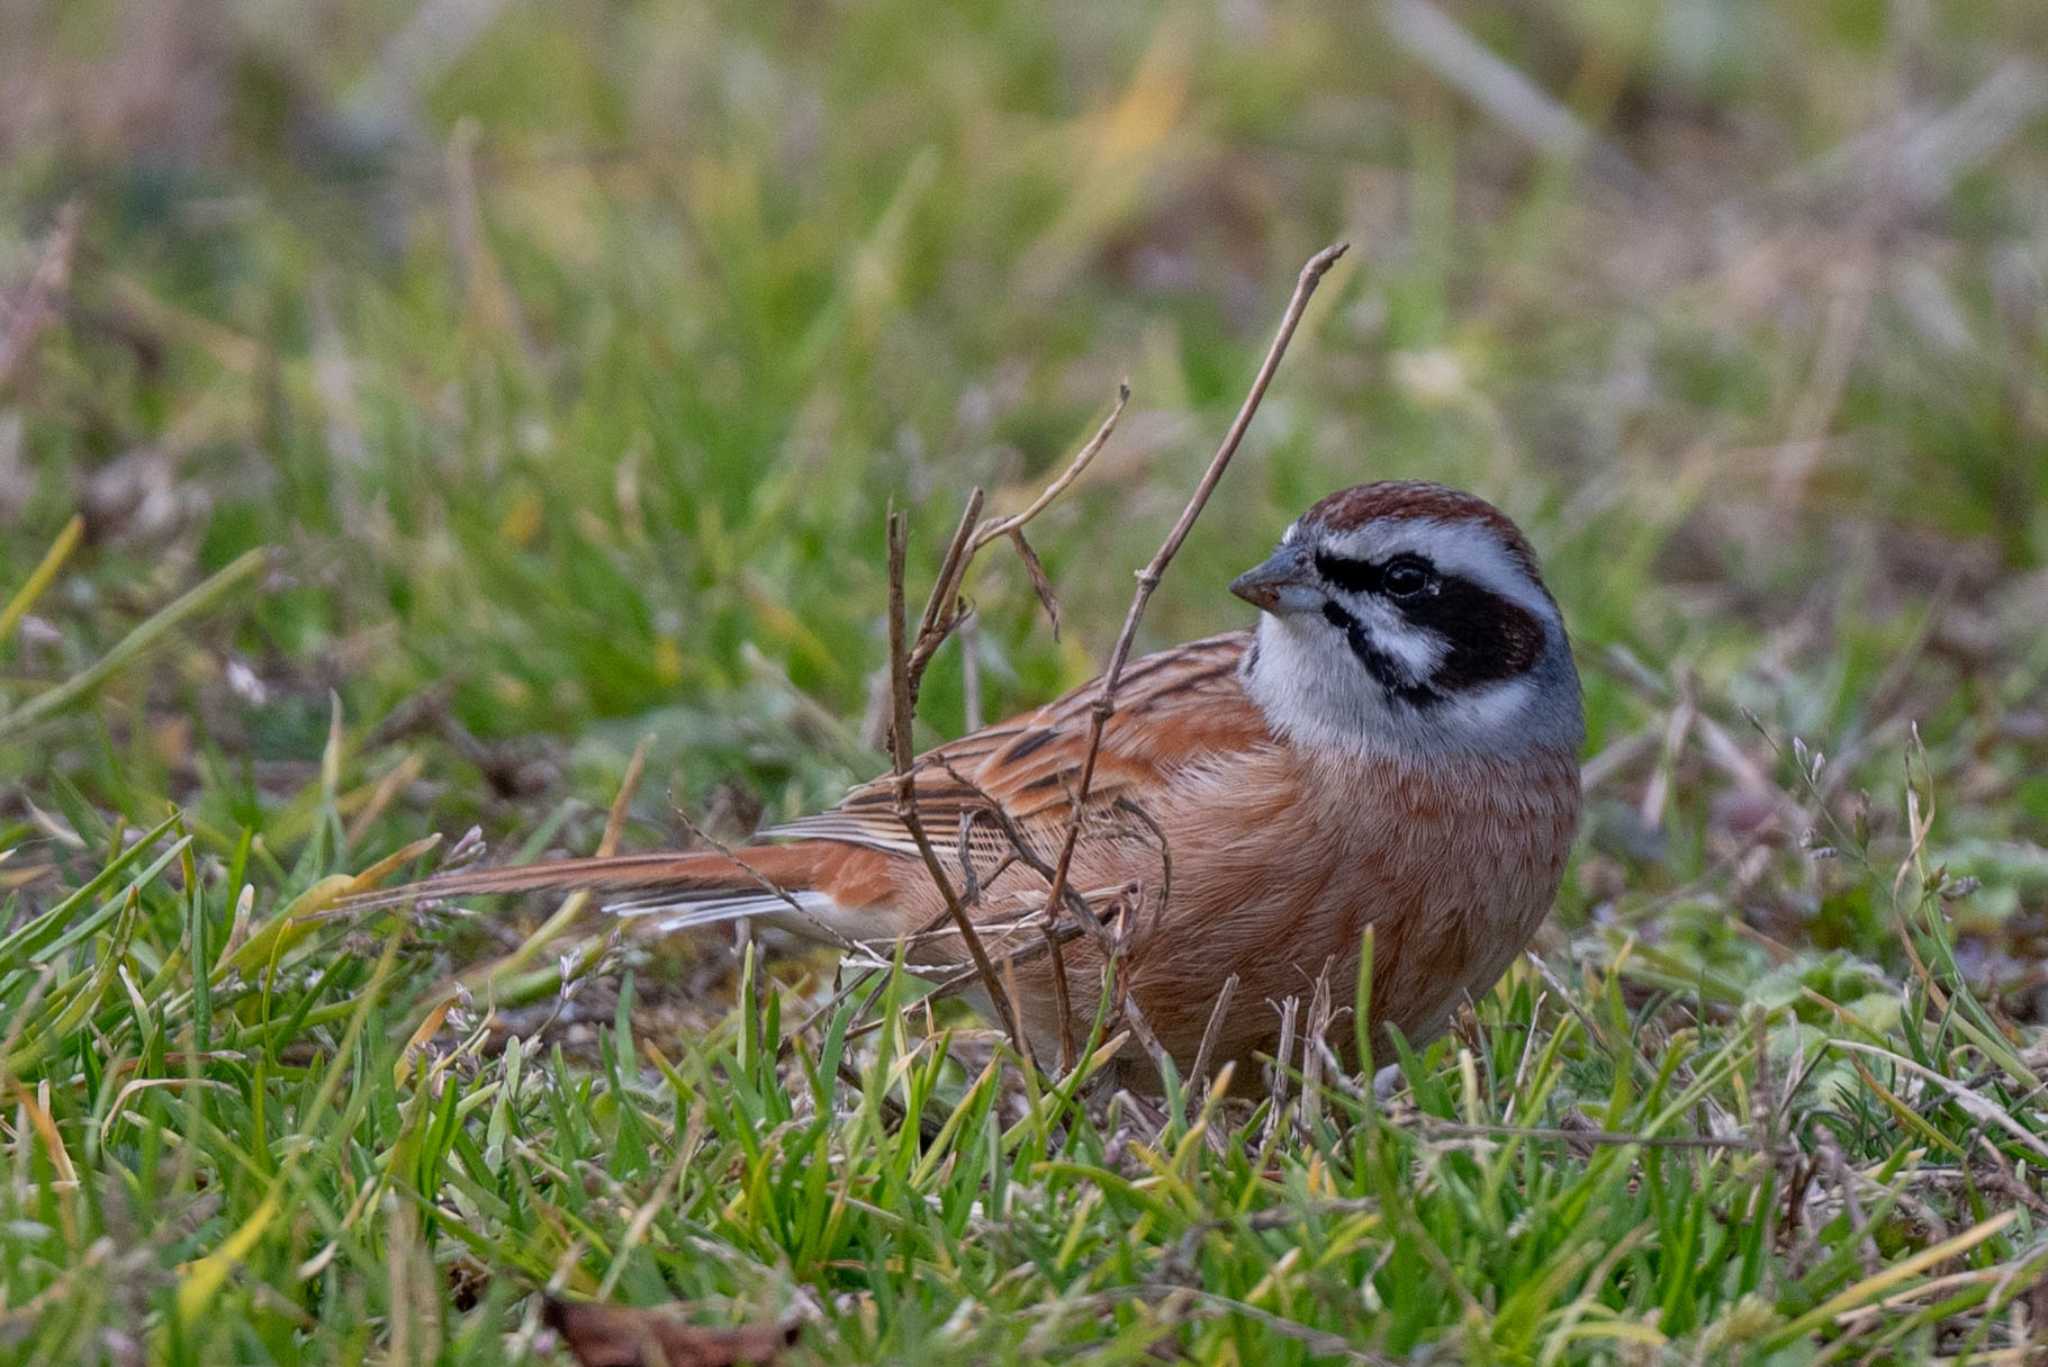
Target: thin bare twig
[1055, 936]
[1041, 582]
[1148, 581]
[944, 611]
[1003, 526]
[1022, 852]
[941, 610]
[761, 880]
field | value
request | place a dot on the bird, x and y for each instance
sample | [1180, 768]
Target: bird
[1393, 746]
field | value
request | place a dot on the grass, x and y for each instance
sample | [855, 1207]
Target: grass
[433, 452]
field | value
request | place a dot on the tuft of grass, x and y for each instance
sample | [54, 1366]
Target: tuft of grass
[258, 1158]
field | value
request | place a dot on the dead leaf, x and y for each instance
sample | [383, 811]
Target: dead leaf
[635, 1336]
[1039, 582]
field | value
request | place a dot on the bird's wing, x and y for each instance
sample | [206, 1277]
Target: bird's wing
[1172, 708]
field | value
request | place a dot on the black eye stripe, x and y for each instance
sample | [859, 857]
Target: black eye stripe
[1353, 576]
[1400, 576]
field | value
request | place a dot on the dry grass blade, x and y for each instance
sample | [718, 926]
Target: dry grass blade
[143, 638]
[39, 301]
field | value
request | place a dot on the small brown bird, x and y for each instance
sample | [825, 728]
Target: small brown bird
[1394, 746]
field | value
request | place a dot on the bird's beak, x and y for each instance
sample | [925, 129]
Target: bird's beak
[1285, 583]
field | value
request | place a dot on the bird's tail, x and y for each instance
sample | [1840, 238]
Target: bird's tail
[778, 882]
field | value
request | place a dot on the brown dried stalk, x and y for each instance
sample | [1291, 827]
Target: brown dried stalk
[902, 692]
[1148, 580]
[43, 299]
[1021, 852]
[1005, 526]
[944, 610]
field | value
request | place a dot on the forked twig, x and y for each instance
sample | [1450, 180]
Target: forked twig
[902, 688]
[943, 611]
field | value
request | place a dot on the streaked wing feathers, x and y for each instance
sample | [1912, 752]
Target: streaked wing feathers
[1172, 708]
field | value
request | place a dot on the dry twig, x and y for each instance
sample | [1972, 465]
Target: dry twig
[903, 695]
[945, 610]
[1008, 526]
[1148, 581]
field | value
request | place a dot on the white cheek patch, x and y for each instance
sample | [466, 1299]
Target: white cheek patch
[1488, 708]
[1465, 549]
[1313, 691]
[1416, 649]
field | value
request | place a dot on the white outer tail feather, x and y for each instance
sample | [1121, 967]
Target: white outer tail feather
[692, 913]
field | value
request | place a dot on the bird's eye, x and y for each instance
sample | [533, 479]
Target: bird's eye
[1405, 576]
